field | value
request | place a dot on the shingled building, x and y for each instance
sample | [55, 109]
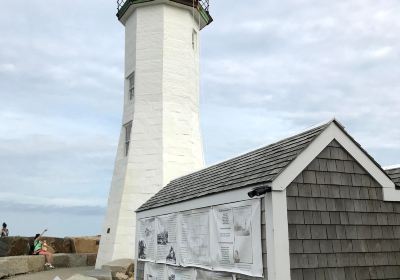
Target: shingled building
[328, 209]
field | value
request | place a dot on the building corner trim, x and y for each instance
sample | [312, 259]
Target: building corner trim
[277, 235]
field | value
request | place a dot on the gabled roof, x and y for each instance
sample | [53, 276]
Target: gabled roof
[260, 166]
[276, 164]
[394, 174]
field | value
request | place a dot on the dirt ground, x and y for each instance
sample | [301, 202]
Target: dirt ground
[63, 273]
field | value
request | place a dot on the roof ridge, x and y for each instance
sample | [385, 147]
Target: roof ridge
[292, 136]
[390, 167]
[231, 174]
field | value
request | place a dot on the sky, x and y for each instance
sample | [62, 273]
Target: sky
[268, 69]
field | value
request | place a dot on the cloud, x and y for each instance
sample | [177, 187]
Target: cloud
[268, 69]
[300, 62]
[41, 204]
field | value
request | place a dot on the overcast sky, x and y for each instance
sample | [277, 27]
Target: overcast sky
[268, 69]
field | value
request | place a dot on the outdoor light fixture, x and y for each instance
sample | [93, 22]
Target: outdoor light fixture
[257, 191]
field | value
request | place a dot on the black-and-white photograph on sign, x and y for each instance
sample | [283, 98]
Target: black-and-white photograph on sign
[167, 231]
[195, 238]
[146, 239]
[242, 251]
[236, 238]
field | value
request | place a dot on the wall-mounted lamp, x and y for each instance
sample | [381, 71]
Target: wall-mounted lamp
[257, 191]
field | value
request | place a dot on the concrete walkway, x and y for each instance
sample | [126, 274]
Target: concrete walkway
[63, 273]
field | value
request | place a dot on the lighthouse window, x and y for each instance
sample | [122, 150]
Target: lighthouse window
[128, 129]
[131, 80]
[194, 39]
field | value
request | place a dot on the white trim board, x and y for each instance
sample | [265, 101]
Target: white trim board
[277, 235]
[334, 132]
[201, 202]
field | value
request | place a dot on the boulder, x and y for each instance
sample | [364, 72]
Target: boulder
[71, 260]
[76, 260]
[59, 245]
[119, 268]
[35, 263]
[61, 260]
[130, 271]
[18, 246]
[120, 276]
[91, 259]
[85, 244]
[120, 265]
[14, 246]
[4, 247]
[14, 265]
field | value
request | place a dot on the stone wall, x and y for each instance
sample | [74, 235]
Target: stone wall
[18, 245]
[10, 266]
[339, 227]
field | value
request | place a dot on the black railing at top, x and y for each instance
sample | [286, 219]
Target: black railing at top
[205, 4]
[120, 3]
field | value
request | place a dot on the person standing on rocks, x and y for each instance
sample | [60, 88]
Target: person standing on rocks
[4, 231]
[40, 248]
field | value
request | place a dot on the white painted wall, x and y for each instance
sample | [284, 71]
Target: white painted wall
[165, 137]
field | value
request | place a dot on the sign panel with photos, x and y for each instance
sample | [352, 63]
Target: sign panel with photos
[167, 238]
[236, 238]
[147, 239]
[225, 238]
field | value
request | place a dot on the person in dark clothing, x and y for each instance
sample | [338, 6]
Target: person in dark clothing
[4, 231]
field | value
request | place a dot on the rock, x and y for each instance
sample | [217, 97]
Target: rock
[4, 247]
[80, 277]
[120, 265]
[14, 265]
[120, 276]
[85, 244]
[35, 263]
[59, 245]
[130, 271]
[91, 259]
[77, 260]
[61, 260]
[18, 246]
[69, 260]
[14, 246]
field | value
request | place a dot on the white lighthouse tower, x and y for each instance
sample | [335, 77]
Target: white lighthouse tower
[160, 133]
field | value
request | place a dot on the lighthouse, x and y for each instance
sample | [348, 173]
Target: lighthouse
[160, 135]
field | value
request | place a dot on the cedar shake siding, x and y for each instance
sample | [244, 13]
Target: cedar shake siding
[339, 225]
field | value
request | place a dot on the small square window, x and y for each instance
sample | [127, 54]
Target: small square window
[131, 80]
[128, 129]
